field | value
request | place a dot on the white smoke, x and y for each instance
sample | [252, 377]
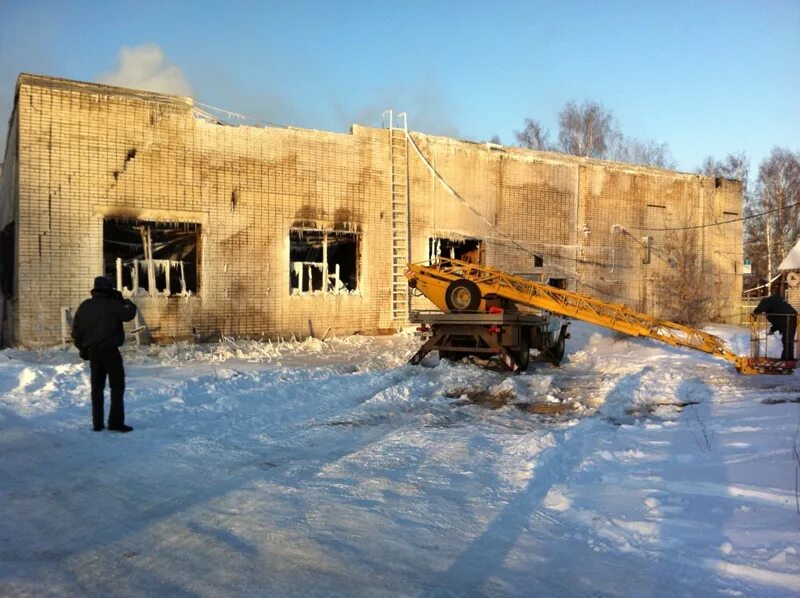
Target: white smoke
[146, 67]
[429, 109]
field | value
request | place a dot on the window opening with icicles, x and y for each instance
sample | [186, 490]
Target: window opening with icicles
[323, 261]
[152, 258]
[466, 250]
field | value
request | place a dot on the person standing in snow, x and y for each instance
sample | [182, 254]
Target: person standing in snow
[782, 318]
[97, 333]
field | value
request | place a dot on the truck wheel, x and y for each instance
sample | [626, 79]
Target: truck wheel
[462, 295]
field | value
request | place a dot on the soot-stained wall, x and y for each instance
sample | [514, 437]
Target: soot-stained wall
[81, 154]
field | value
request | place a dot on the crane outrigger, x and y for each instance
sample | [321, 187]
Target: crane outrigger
[457, 287]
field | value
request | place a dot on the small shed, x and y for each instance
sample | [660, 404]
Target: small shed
[790, 269]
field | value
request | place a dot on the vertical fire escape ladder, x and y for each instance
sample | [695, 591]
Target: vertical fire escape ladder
[401, 216]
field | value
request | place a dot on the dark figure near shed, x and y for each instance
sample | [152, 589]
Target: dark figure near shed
[782, 318]
[97, 333]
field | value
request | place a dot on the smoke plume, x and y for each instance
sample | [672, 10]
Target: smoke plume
[146, 67]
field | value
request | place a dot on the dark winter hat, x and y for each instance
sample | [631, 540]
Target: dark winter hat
[103, 283]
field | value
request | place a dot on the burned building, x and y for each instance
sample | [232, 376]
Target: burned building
[268, 231]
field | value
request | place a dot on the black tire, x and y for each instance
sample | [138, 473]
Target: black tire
[462, 295]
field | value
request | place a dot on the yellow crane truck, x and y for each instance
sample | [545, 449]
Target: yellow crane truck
[480, 314]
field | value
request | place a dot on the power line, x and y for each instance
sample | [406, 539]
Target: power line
[743, 218]
[570, 273]
[243, 118]
[512, 240]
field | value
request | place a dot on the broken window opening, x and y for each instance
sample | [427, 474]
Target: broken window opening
[7, 271]
[465, 250]
[323, 261]
[153, 258]
[559, 283]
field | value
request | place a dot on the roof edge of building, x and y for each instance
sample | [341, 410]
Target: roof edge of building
[518, 152]
[99, 88]
[562, 158]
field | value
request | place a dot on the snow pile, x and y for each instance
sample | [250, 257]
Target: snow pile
[319, 468]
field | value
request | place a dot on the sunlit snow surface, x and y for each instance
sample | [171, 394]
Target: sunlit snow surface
[333, 468]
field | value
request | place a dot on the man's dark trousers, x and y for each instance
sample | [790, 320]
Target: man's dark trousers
[107, 362]
[787, 336]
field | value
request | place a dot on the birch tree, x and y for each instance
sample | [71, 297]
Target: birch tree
[590, 130]
[778, 192]
[646, 153]
[586, 130]
[533, 136]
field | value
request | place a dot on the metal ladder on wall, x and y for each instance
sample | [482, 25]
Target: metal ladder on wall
[401, 216]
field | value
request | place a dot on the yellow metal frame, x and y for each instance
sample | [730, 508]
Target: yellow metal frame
[433, 279]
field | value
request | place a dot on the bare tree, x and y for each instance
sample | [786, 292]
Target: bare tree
[586, 130]
[646, 153]
[533, 136]
[590, 130]
[732, 166]
[755, 245]
[685, 294]
[778, 189]
[496, 140]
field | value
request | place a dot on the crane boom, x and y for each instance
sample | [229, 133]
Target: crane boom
[433, 280]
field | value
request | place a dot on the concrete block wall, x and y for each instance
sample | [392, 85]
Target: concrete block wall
[88, 152]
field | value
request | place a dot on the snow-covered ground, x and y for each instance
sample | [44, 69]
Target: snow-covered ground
[334, 468]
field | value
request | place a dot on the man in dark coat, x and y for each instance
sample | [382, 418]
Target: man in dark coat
[97, 333]
[782, 318]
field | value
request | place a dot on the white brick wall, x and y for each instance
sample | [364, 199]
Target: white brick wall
[73, 171]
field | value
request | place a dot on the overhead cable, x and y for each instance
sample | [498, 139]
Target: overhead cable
[458, 196]
[742, 219]
[570, 273]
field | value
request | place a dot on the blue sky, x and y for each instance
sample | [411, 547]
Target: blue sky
[708, 77]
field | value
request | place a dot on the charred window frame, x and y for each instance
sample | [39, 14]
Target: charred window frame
[323, 261]
[466, 250]
[8, 261]
[154, 258]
